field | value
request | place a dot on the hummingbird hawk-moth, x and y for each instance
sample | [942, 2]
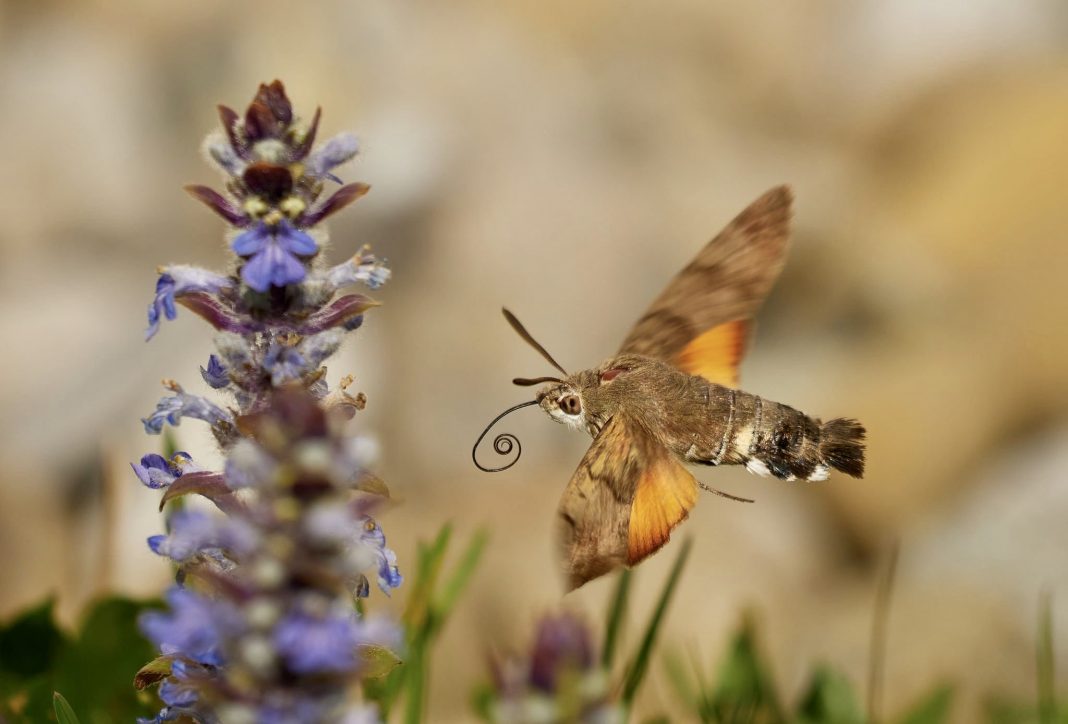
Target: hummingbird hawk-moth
[669, 398]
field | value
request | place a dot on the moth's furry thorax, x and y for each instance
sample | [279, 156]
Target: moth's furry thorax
[631, 383]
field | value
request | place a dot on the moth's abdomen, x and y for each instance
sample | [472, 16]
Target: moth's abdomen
[790, 445]
[774, 439]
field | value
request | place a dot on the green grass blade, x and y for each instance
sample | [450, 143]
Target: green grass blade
[416, 614]
[440, 606]
[64, 713]
[616, 613]
[416, 681]
[679, 677]
[430, 603]
[640, 664]
[1047, 707]
[460, 577]
[428, 568]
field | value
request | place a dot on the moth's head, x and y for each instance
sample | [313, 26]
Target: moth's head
[566, 401]
[588, 399]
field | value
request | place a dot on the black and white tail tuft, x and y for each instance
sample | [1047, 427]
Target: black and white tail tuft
[842, 446]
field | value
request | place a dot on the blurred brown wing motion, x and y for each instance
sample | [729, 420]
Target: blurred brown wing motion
[699, 322]
[621, 504]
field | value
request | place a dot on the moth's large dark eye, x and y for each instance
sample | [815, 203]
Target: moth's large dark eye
[571, 404]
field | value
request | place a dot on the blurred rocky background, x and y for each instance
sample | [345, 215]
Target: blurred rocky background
[566, 159]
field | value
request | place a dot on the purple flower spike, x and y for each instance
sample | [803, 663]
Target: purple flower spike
[224, 155]
[218, 203]
[274, 252]
[163, 303]
[177, 281]
[389, 575]
[332, 154]
[172, 409]
[363, 268]
[266, 630]
[216, 374]
[317, 347]
[340, 312]
[284, 363]
[193, 627]
[341, 198]
[318, 645]
[249, 466]
[218, 314]
[156, 472]
[193, 531]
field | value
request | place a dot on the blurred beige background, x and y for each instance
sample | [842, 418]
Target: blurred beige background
[566, 159]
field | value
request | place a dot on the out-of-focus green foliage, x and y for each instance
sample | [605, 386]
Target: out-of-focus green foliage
[48, 674]
[1046, 709]
[932, 709]
[596, 691]
[93, 668]
[829, 699]
[431, 599]
[744, 691]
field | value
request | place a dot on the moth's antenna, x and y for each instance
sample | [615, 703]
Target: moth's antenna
[531, 381]
[503, 443]
[522, 332]
[728, 496]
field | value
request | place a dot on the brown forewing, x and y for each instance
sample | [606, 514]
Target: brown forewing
[727, 281]
[621, 503]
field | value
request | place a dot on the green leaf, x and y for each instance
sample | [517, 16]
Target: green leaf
[376, 661]
[745, 690]
[616, 613]
[450, 594]
[829, 699]
[933, 708]
[30, 644]
[29, 703]
[639, 665]
[95, 672]
[64, 713]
